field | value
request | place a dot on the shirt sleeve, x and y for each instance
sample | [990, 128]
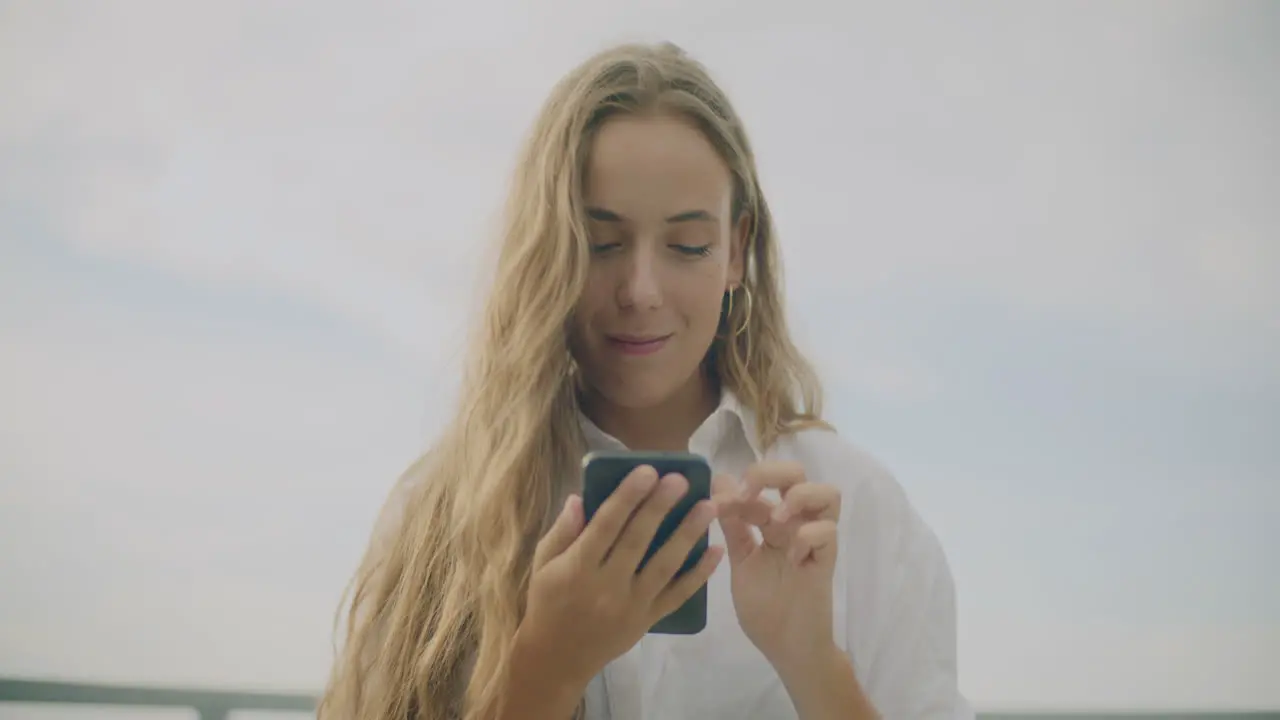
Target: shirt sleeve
[900, 584]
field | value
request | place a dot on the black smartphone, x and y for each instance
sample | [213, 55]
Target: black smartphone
[603, 472]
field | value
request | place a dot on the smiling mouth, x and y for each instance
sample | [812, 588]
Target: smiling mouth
[633, 345]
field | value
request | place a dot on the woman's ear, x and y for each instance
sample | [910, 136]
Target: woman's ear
[739, 235]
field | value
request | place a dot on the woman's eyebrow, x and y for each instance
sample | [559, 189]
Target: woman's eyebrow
[603, 215]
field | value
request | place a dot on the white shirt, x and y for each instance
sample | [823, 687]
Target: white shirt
[894, 600]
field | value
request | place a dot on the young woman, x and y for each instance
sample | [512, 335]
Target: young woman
[637, 304]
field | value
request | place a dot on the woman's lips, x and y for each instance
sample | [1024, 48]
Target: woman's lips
[632, 345]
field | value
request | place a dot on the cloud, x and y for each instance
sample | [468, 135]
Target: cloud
[1106, 164]
[282, 169]
[1033, 252]
[186, 496]
[1015, 663]
[355, 160]
[357, 157]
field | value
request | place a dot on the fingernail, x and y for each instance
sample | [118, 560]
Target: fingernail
[717, 553]
[780, 514]
[674, 485]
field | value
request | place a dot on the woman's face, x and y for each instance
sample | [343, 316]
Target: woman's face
[663, 251]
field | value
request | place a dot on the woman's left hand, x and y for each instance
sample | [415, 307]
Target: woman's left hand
[782, 583]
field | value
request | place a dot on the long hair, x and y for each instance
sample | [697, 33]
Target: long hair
[434, 608]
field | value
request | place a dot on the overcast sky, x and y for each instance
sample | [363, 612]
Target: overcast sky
[1033, 247]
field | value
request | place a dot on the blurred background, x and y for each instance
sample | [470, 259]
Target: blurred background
[1033, 247]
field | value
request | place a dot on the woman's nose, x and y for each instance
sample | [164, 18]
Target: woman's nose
[639, 286]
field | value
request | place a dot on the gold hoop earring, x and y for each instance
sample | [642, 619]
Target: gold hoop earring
[746, 315]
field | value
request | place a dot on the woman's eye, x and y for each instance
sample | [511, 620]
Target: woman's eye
[601, 248]
[693, 250]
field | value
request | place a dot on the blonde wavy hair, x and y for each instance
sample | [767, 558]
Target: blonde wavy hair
[436, 602]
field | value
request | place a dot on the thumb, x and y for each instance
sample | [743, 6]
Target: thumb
[563, 532]
[724, 486]
[738, 540]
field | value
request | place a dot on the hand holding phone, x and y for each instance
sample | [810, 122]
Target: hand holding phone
[604, 472]
[597, 588]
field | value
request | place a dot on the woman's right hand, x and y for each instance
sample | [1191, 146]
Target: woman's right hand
[587, 603]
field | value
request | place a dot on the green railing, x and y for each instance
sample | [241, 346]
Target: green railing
[218, 705]
[208, 704]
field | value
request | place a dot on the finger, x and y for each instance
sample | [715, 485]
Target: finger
[757, 511]
[565, 529]
[810, 501]
[725, 487]
[738, 539]
[727, 493]
[683, 587]
[610, 520]
[722, 484]
[673, 554]
[781, 476]
[637, 537]
[814, 542]
[777, 536]
[736, 518]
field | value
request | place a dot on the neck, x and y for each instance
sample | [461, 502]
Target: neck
[663, 427]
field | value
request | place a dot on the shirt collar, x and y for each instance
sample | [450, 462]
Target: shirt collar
[729, 418]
